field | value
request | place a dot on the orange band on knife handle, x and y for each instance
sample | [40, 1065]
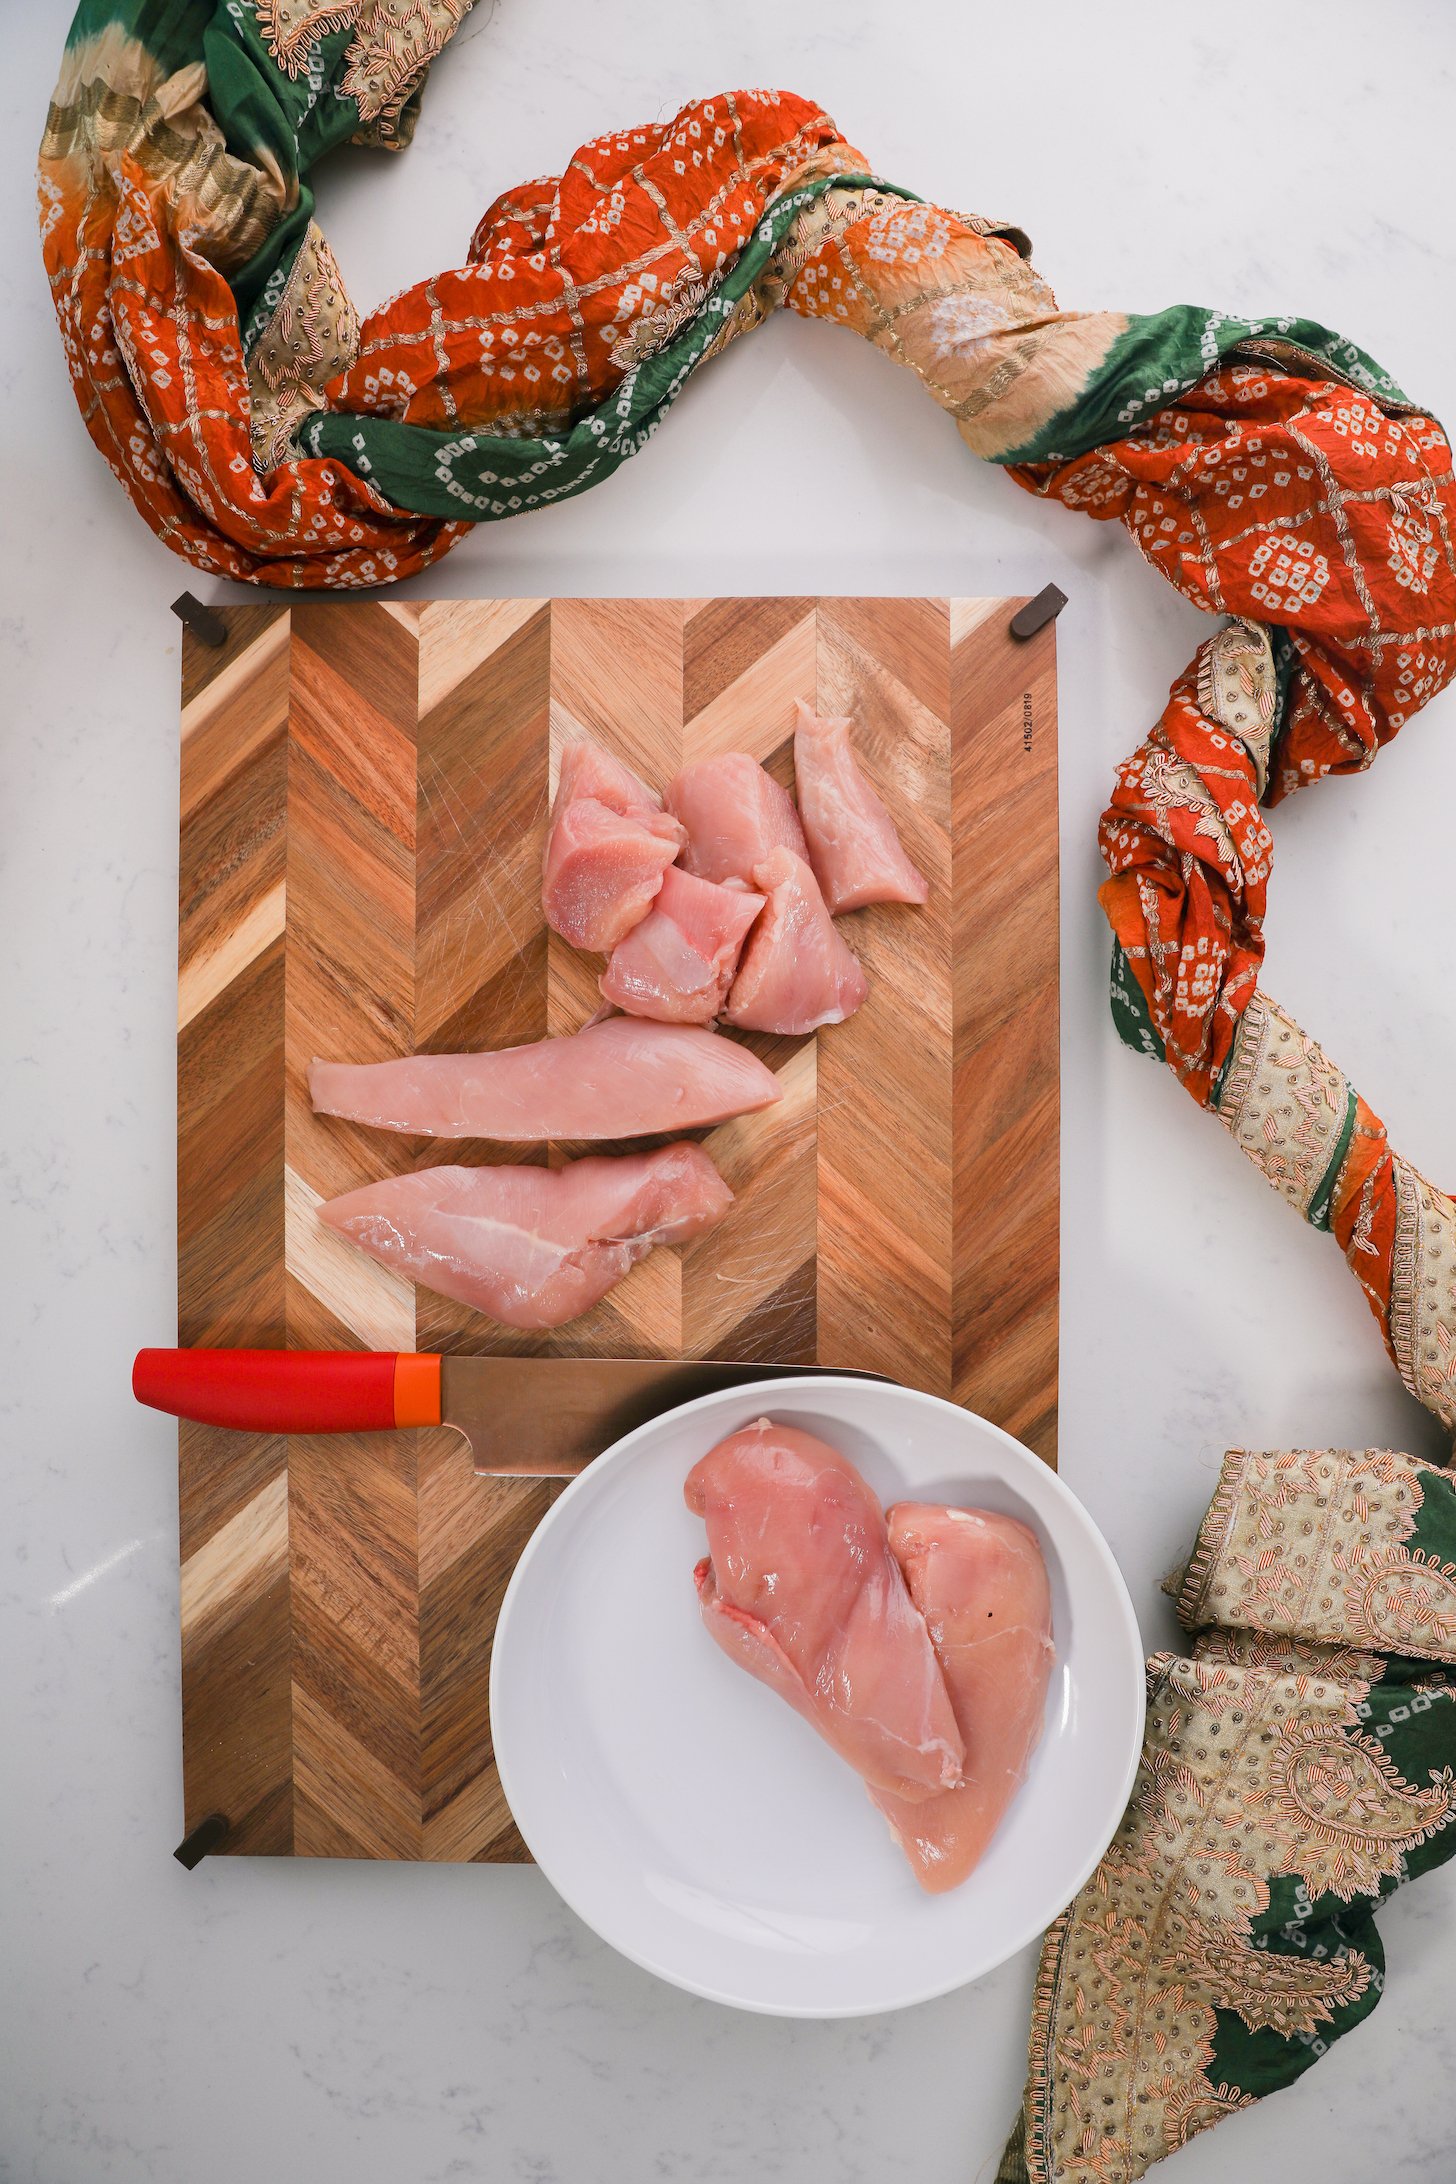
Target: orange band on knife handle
[416, 1389]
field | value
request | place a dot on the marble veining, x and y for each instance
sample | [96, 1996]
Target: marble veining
[361, 2023]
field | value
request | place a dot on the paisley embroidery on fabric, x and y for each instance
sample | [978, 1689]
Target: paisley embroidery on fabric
[1261, 1558]
[1165, 783]
[1236, 688]
[1260, 1649]
[1262, 1772]
[291, 28]
[1126, 2006]
[1284, 1103]
[394, 43]
[1190, 2110]
[1345, 1812]
[1405, 1602]
[1314, 1545]
[680, 301]
[1423, 1291]
[1285, 1994]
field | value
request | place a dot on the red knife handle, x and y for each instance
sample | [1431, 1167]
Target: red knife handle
[291, 1391]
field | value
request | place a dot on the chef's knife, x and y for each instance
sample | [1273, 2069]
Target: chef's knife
[524, 1417]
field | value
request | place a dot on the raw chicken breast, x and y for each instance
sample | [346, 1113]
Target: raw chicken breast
[981, 1584]
[800, 1588]
[602, 870]
[735, 815]
[588, 770]
[617, 1079]
[677, 963]
[533, 1247]
[853, 846]
[796, 972]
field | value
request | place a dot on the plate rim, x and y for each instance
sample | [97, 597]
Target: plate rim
[619, 1451]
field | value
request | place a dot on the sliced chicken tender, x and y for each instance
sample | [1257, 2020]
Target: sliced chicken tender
[617, 1079]
[677, 964]
[735, 815]
[853, 846]
[587, 769]
[796, 972]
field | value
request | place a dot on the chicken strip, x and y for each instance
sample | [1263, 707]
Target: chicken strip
[587, 769]
[853, 846]
[617, 1079]
[603, 869]
[532, 1247]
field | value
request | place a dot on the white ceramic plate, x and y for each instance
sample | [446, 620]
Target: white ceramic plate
[694, 1820]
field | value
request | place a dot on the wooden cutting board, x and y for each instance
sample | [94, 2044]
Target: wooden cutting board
[363, 793]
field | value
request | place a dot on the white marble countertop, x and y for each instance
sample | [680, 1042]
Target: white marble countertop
[367, 2023]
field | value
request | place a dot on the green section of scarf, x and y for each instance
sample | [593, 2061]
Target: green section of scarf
[289, 122]
[1164, 354]
[481, 476]
[266, 116]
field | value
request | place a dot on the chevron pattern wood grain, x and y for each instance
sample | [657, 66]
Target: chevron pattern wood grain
[237, 1732]
[364, 790]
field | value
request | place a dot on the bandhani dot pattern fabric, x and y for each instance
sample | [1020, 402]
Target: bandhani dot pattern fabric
[1269, 469]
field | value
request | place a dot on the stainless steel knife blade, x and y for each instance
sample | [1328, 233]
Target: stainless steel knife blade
[547, 1417]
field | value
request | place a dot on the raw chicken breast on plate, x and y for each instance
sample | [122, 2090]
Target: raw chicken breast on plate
[618, 1079]
[980, 1582]
[735, 815]
[796, 972]
[676, 965]
[853, 846]
[800, 1588]
[532, 1247]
